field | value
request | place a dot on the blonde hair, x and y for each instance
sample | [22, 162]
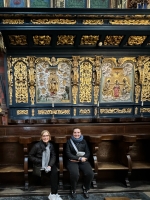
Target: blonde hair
[46, 131]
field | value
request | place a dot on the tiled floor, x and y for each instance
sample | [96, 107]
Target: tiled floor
[137, 191]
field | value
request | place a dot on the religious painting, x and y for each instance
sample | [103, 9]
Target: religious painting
[17, 3]
[75, 4]
[1, 3]
[53, 81]
[40, 3]
[99, 3]
[117, 83]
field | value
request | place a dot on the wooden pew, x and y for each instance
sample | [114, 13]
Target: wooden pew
[14, 155]
[140, 153]
[61, 140]
[112, 153]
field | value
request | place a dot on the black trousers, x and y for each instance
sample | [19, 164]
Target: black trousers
[85, 167]
[53, 174]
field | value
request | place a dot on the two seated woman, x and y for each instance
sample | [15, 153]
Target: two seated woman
[43, 157]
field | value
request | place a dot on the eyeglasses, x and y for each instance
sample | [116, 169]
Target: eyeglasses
[45, 135]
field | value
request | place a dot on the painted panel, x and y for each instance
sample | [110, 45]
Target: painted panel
[53, 83]
[40, 3]
[75, 3]
[1, 3]
[99, 4]
[17, 3]
[117, 83]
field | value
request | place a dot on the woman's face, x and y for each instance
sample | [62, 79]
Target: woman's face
[45, 137]
[76, 133]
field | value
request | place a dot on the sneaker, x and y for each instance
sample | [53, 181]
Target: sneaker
[85, 192]
[73, 194]
[58, 197]
[52, 196]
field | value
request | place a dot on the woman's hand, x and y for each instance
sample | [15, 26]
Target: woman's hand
[49, 167]
[83, 159]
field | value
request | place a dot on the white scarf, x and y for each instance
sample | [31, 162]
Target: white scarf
[46, 157]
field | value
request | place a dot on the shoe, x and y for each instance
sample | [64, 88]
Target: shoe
[52, 196]
[85, 192]
[73, 194]
[58, 197]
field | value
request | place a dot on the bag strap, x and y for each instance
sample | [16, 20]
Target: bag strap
[74, 145]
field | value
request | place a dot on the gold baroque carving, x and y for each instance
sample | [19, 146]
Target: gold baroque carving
[89, 39]
[84, 111]
[113, 40]
[10, 79]
[33, 112]
[136, 40]
[13, 21]
[31, 78]
[145, 79]
[21, 86]
[85, 92]
[54, 112]
[125, 59]
[115, 110]
[136, 111]
[74, 112]
[18, 40]
[41, 40]
[144, 110]
[53, 21]
[130, 22]
[93, 22]
[74, 94]
[22, 112]
[65, 39]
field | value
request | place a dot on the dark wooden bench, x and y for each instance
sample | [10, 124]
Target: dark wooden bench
[140, 153]
[111, 152]
[14, 156]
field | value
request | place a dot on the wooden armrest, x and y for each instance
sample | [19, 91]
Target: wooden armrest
[95, 139]
[60, 139]
[10, 139]
[111, 137]
[25, 140]
[129, 138]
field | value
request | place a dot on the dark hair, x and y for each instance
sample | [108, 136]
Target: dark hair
[76, 128]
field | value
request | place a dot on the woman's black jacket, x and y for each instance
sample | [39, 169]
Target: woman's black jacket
[81, 146]
[35, 155]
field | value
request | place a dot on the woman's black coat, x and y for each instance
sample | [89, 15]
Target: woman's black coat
[81, 146]
[35, 155]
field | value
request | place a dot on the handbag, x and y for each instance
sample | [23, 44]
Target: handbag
[37, 171]
[79, 153]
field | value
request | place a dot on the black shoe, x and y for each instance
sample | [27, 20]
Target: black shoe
[73, 194]
[85, 192]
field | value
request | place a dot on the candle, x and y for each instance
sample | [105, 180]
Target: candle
[142, 103]
[98, 104]
[53, 104]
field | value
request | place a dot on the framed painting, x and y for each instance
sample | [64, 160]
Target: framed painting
[117, 83]
[1, 3]
[99, 3]
[75, 4]
[53, 84]
[40, 3]
[17, 3]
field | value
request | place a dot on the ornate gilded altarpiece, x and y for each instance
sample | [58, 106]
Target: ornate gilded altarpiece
[117, 80]
[78, 86]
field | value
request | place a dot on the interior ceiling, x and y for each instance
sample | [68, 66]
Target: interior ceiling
[75, 29]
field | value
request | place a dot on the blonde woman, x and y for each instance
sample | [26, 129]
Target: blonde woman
[43, 157]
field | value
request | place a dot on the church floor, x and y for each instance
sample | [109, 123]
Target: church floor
[137, 191]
